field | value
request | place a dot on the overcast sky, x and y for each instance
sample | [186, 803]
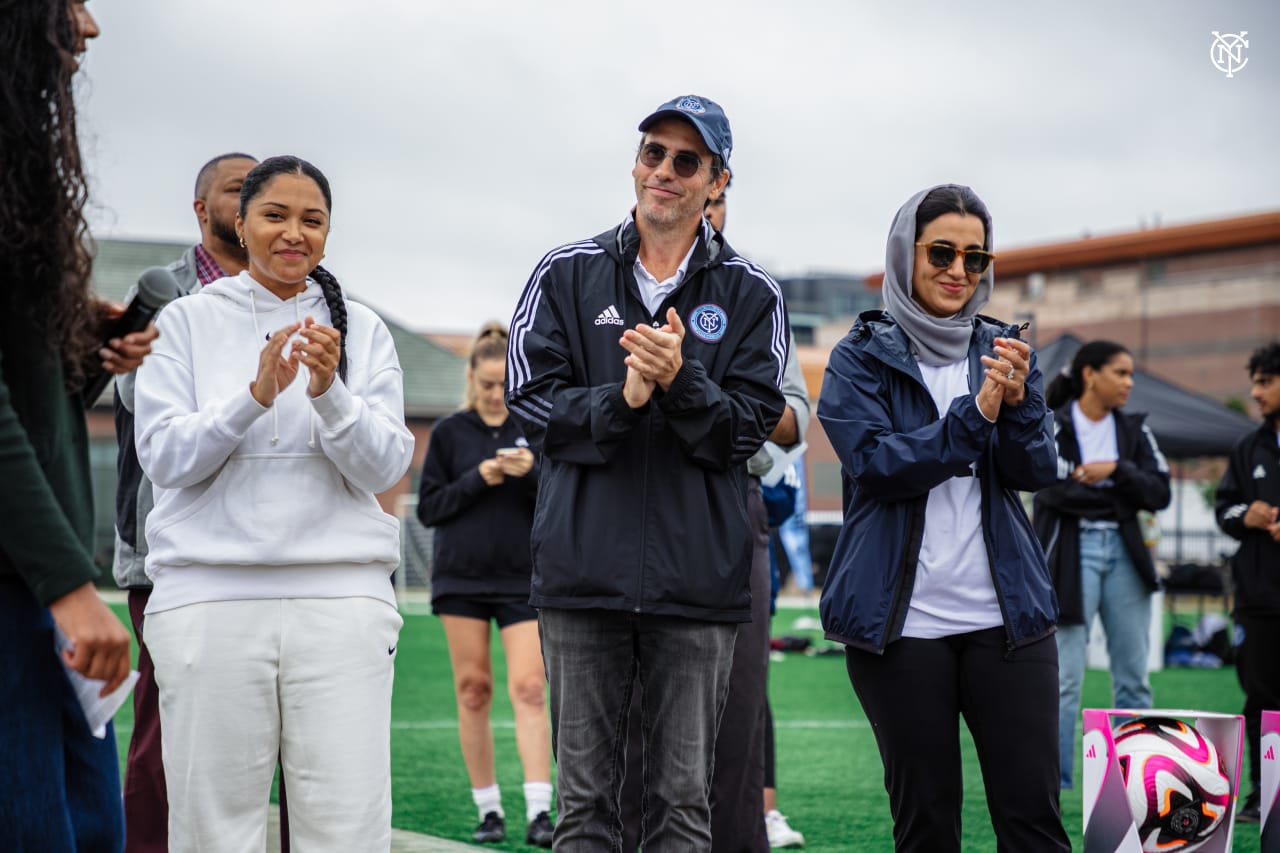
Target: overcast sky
[465, 139]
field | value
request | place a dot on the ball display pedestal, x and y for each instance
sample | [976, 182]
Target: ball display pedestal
[1270, 823]
[1108, 821]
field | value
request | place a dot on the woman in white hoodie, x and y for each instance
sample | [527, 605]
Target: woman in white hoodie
[269, 414]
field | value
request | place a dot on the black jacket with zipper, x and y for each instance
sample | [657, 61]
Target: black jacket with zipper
[645, 510]
[1139, 482]
[480, 546]
[1253, 474]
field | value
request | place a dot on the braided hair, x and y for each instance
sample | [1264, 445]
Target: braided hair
[254, 183]
[337, 312]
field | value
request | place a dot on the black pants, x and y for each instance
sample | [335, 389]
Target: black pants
[1258, 668]
[737, 783]
[770, 749]
[914, 695]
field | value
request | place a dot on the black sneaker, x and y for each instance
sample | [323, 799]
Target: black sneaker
[541, 830]
[1251, 811]
[492, 830]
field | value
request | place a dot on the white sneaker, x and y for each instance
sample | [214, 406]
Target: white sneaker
[779, 832]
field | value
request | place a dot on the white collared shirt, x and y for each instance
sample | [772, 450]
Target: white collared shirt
[652, 291]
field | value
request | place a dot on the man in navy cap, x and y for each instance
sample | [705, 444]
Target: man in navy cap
[645, 365]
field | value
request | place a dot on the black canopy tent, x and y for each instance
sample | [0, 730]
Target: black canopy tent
[1186, 424]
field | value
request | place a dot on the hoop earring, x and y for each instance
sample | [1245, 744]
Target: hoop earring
[242, 245]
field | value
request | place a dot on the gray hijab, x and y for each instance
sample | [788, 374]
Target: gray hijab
[934, 340]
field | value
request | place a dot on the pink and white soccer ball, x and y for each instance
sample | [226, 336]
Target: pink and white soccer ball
[1177, 788]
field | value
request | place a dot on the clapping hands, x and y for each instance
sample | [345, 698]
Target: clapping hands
[654, 358]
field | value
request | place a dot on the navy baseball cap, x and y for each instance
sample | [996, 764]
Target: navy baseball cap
[704, 114]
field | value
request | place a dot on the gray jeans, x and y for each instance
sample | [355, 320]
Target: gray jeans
[593, 658]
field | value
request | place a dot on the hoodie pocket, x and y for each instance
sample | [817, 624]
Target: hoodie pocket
[269, 510]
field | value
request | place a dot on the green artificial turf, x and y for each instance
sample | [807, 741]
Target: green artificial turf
[829, 773]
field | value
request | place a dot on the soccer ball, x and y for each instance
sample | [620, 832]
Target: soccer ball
[1175, 782]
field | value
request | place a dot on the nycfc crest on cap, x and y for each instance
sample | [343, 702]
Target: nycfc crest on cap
[691, 104]
[704, 114]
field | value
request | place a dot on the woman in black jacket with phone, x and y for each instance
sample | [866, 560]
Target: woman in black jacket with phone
[1109, 468]
[479, 483]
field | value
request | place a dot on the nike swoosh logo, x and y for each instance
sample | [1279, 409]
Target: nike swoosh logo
[391, 650]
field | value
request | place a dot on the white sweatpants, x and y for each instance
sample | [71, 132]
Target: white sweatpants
[308, 679]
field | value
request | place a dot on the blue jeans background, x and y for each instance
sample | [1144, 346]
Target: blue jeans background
[592, 659]
[61, 784]
[1111, 587]
[793, 535]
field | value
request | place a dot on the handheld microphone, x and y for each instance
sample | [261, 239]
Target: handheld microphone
[157, 287]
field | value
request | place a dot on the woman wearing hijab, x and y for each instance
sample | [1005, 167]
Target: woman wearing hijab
[937, 586]
[1088, 523]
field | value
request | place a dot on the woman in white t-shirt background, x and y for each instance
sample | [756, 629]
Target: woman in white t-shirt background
[1110, 467]
[937, 586]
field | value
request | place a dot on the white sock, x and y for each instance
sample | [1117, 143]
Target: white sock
[537, 799]
[488, 800]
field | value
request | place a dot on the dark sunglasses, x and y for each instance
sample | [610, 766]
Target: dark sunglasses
[941, 255]
[686, 165]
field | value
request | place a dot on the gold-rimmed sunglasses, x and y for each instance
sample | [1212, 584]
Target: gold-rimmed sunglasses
[942, 255]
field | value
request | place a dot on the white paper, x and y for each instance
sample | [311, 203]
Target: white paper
[98, 710]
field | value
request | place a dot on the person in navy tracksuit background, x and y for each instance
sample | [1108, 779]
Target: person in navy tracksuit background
[645, 366]
[937, 586]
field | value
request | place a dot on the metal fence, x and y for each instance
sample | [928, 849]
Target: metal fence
[1206, 547]
[414, 572]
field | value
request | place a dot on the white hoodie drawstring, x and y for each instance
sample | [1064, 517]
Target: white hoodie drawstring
[257, 330]
[311, 410]
[275, 416]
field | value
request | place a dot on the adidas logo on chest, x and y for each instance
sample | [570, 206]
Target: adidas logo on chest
[609, 317]
[1259, 473]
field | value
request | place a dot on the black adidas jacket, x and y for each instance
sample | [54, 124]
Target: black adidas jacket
[1140, 481]
[1253, 474]
[646, 510]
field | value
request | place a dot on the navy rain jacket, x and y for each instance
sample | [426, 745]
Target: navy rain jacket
[645, 511]
[894, 446]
